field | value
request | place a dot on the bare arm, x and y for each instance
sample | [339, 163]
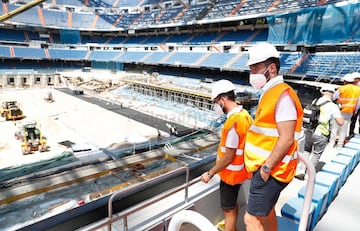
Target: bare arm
[286, 131]
[220, 165]
[339, 120]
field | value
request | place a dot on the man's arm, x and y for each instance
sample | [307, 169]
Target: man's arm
[286, 131]
[220, 164]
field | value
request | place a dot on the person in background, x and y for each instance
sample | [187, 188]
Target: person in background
[316, 140]
[271, 142]
[347, 96]
[230, 160]
[356, 115]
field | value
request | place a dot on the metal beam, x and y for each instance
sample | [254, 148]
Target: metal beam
[20, 9]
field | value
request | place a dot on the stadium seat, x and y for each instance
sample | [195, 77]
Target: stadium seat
[292, 210]
[285, 224]
[319, 199]
[331, 181]
[351, 149]
[337, 169]
[355, 139]
[345, 160]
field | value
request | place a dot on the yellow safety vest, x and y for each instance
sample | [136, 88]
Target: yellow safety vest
[263, 135]
[348, 97]
[235, 172]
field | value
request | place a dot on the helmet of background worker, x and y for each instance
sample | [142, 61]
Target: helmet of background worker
[327, 88]
[220, 87]
[349, 77]
[260, 52]
[356, 75]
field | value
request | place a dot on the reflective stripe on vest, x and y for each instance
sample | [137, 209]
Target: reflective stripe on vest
[263, 135]
[235, 172]
[348, 97]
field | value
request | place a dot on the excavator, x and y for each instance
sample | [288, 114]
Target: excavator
[31, 137]
[11, 110]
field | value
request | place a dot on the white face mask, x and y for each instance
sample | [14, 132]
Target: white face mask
[218, 109]
[257, 81]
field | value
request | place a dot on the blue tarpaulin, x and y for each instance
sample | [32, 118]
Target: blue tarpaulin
[336, 23]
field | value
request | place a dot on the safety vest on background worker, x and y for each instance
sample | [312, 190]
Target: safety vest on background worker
[348, 97]
[263, 135]
[235, 172]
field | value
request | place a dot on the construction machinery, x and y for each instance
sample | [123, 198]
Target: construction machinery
[11, 110]
[49, 98]
[31, 137]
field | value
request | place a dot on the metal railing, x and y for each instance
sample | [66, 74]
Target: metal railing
[308, 193]
[124, 215]
[196, 219]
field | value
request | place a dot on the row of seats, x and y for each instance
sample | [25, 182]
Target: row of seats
[315, 65]
[182, 13]
[328, 183]
[239, 37]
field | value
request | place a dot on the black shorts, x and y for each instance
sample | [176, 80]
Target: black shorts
[263, 195]
[228, 195]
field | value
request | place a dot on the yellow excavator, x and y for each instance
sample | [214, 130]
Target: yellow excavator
[31, 137]
[10, 110]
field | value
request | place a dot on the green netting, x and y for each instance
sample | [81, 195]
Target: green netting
[19, 171]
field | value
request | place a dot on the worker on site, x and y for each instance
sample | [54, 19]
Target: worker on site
[230, 160]
[271, 143]
[317, 139]
[347, 96]
[356, 116]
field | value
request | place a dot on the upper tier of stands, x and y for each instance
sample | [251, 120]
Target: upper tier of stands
[239, 37]
[114, 16]
[328, 66]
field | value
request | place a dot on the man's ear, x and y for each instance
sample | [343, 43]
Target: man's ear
[272, 69]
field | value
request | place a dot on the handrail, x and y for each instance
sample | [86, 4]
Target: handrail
[308, 193]
[111, 219]
[183, 217]
[115, 195]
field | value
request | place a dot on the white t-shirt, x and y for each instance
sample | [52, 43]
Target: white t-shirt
[233, 139]
[331, 110]
[285, 109]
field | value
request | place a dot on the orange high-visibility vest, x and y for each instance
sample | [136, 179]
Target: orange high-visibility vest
[263, 135]
[235, 172]
[348, 97]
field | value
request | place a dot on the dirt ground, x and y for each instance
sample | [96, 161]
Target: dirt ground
[66, 119]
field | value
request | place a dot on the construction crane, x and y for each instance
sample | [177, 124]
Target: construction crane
[20, 9]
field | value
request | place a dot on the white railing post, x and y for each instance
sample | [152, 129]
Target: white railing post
[308, 193]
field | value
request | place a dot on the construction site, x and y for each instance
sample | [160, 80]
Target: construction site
[82, 139]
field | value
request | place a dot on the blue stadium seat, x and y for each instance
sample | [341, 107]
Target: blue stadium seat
[345, 160]
[352, 149]
[337, 169]
[319, 199]
[286, 224]
[292, 210]
[329, 180]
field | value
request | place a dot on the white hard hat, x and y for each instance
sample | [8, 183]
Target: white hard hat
[220, 87]
[356, 75]
[327, 88]
[349, 77]
[260, 52]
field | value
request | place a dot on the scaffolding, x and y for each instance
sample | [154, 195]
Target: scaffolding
[196, 99]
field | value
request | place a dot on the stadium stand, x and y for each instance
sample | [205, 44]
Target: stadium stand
[162, 33]
[318, 41]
